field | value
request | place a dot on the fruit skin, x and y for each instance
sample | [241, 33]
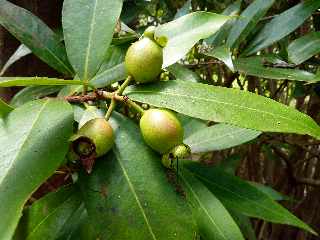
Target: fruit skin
[161, 130]
[144, 60]
[99, 132]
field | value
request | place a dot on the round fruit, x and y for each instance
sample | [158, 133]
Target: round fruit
[144, 60]
[94, 137]
[161, 130]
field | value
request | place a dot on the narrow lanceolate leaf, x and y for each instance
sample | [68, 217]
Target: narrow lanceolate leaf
[33, 143]
[88, 29]
[192, 28]
[213, 220]
[191, 125]
[182, 72]
[255, 66]
[4, 108]
[222, 53]
[36, 35]
[48, 216]
[282, 25]
[219, 137]
[109, 76]
[240, 108]
[21, 51]
[33, 81]
[131, 191]
[238, 195]
[247, 21]
[304, 48]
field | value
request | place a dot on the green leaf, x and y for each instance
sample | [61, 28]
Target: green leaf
[182, 72]
[219, 137]
[304, 48]
[88, 28]
[254, 66]
[90, 113]
[184, 10]
[21, 51]
[109, 76]
[244, 224]
[33, 143]
[240, 108]
[191, 125]
[239, 195]
[282, 25]
[114, 56]
[213, 220]
[273, 194]
[192, 28]
[222, 53]
[48, 216]
[36, 35]
[131, 191]
[4, 108]
[248, 21]
[32, 93]
[33, 81]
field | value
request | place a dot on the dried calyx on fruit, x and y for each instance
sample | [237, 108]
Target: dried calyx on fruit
[144, 58]
[94, 139]
[161, 130]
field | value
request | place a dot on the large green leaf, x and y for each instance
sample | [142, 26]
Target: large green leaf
[33, 143]
[304, 48]
[182, 72]
[213, 220]
[240, 108]
[192, 28]
[109, 76]
[47, 217]
[114, 56]
[4, 108]
[240, 196]
[222, 53]
[254, 66]
[131, 191]
[247, 21]
[88, 28]
[36, 35]
[191, 125]
[33, 81]
[282, 25]
[219, 137]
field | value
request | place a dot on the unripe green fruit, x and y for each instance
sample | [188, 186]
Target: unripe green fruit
[144, 60]
[161, 130]
[94, 137]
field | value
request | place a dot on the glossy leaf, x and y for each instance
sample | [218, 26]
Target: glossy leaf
[21, 51]
[182, 72]
[219, 137]
[192, 28]
[304, 48]
[131, 191]
[247, 21]
[240, 196]
[191, 125]
[32, 81]
[109, 76]
[36, 35]
[254, 66]
[273, 194]
[114, 56]
[213, 220]
[184, 10]
[282, 25]
[33, 93]
[224, 54]
[33, 143]
[88, 28]
[90, 113]
[240, 108]
[48, 216]
[244, 224]
[4, 108]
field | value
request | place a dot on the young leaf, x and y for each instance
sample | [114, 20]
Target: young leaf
[213, 220]
[222, 53]
[131, 192]
[36, 35]
[240, 196]
[192, 28]
[219, 137]
[33, 143]
[88, 28]
[48, 216]
[304, 48]
[254, 66]
[282, 25]
[33, 81]
[247, 21]
[182, 72]
[240, 108]
[4, 108]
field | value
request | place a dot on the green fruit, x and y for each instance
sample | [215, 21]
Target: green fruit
[149, 32]
[144, 60]
[161, 130]
[94, 137]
